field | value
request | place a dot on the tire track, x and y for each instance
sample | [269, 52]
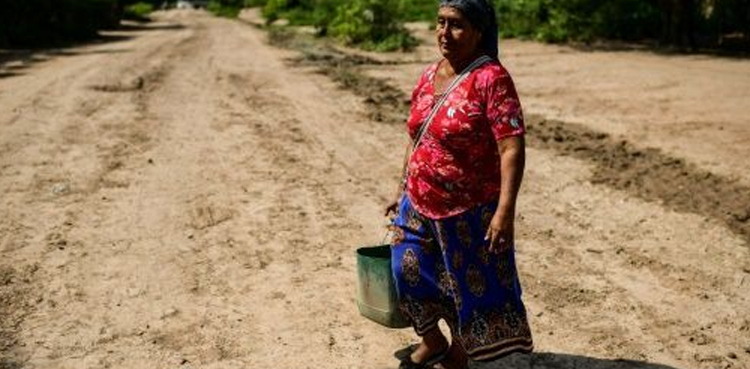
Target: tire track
[66, 123]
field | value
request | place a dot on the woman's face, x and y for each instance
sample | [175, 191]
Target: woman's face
[457, 38]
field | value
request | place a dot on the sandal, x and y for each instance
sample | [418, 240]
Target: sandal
[405, 352]
[407, 363]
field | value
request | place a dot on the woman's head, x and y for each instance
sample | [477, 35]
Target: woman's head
[465, 26]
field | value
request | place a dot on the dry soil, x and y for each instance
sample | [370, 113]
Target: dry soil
[189, 194]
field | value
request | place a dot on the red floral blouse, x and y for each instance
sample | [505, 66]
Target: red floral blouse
[457, 164]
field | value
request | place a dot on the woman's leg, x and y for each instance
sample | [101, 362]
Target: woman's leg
[491, 318]
[456, 357]
[416, 259]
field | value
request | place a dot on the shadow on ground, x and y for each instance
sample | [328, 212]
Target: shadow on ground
[739, 52]
[141, 26]
[7, 364]
[548, 360]
[13, 62]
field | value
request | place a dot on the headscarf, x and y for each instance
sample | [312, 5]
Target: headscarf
[481, 15]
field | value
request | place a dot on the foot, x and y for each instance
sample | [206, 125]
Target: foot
[405, 352]
[430, 350]
[456, 358]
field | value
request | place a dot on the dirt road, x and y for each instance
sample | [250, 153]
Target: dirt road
[183, 197]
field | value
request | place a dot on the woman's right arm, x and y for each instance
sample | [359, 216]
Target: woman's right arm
[393, 205]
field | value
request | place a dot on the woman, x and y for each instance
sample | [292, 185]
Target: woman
[453, 250]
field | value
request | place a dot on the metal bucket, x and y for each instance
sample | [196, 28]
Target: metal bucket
[376, 291]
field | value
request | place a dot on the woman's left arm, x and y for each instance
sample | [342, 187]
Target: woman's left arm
[512, 160]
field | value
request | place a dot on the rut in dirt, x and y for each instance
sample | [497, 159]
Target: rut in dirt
[20, 292]
[15, 300]
[645, 173]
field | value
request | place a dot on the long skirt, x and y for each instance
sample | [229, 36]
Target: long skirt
[443, 269]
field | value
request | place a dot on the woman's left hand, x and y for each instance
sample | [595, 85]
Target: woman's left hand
[500, 233]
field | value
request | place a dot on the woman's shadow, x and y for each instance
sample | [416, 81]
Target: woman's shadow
[548, 360]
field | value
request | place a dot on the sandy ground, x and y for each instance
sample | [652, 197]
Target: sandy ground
[180, 196]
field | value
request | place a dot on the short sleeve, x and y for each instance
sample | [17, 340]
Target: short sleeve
[503, 107]
[421, 101]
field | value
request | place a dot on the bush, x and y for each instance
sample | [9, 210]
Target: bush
[299, 12]
[225, 8]
[580, 20]
[371, 24]
[419, 10]
[138, 11]
[275, 9]
[377, 23]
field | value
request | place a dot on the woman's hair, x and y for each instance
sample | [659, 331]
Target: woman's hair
[481, 15]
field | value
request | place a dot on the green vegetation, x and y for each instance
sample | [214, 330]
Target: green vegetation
[369, 24]
[225, 8]
[138, 11]
[377, 24]
[581, 20]
[419, 10]
[695, 24]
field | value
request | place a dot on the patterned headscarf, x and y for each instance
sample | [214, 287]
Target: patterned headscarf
[482, 17]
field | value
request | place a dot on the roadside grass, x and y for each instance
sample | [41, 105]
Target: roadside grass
[223, 10]
[138, 12]
[376, 25]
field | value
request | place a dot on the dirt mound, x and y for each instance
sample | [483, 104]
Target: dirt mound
[648, 173]
[385, 103]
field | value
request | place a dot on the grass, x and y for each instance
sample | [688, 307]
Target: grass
[138, 11]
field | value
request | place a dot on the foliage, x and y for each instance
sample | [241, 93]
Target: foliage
[273, 9]
[378, 24]
[301, 12]
[372, 24]
[138, 11]
[225, 8]
[564, 20]
[693, 23]
[31, 23]
[419, 10]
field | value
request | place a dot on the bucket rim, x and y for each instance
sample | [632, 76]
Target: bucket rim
[375, 252]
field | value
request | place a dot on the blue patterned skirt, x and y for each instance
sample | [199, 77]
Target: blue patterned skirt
[443, 269]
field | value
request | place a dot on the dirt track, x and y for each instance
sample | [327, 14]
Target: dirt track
[185, 197]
